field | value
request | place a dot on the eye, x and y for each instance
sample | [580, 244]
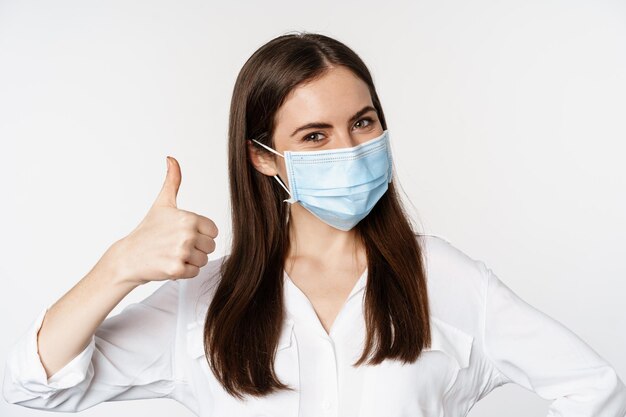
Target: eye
[367, 119]
[312, 137]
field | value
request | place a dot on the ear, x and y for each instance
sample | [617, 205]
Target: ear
[261, 159]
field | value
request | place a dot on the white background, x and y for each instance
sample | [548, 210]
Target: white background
[506, 121]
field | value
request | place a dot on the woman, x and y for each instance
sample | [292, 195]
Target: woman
[328, 303]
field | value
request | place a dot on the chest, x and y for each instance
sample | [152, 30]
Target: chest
[327, 295]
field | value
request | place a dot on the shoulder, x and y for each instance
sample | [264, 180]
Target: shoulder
[456, 282]
[441, 256]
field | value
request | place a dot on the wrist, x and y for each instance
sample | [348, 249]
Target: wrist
[111, 263]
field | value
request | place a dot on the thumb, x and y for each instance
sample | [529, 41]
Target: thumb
[169, 191]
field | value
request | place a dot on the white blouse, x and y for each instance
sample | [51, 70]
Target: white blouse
[483, 336]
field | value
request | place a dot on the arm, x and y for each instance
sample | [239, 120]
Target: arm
[527, 347]
[70, 323]
[83, 361]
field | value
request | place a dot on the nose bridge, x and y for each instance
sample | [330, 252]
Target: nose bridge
[346, 139]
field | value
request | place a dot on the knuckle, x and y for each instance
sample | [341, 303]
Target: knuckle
[177, 269]
[187, 218]
[184, 252]
[188, 237]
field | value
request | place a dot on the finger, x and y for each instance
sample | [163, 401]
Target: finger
[207, 227]
[197, 258]
[189, 271]
[204, 243]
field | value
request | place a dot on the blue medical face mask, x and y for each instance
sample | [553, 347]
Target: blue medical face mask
[339, 186]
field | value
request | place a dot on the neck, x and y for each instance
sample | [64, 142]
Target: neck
[315, 240]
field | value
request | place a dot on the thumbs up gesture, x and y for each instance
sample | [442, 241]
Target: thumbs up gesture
[169, 243]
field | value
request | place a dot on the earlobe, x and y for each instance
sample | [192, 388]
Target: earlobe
[260, 160]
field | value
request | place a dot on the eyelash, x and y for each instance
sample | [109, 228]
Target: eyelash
[305, 139]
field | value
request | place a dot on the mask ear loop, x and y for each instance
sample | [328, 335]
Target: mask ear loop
[276, 177]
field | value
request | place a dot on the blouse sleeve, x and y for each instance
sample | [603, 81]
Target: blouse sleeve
[129, 357]
[527, 347]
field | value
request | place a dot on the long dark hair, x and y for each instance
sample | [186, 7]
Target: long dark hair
[244, 319]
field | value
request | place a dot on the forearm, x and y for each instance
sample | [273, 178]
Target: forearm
[70, 323]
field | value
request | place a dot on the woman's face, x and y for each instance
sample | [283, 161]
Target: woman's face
[331, 112]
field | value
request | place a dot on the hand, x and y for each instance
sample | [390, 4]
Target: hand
[169, 243]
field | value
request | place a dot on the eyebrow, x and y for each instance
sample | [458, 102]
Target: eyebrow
[320, 125]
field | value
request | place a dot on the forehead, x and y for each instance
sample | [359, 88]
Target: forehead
[333, 97]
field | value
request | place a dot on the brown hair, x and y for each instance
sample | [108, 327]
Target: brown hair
[244, 319]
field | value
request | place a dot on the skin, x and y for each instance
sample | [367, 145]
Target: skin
[324, 262]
